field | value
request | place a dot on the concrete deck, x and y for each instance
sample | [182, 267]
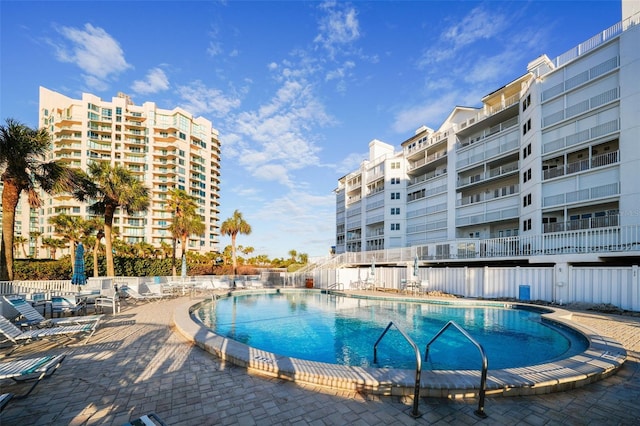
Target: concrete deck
[137, 363]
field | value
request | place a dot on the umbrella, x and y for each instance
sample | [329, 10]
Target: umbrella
[79, 277]
[415, 266]
[373, 267]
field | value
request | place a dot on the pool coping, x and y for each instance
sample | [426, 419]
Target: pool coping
[603, 357]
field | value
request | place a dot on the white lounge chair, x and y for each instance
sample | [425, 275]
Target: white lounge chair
[64, 305]
[28, 369]
[137, 297]
[19, 338]
[32, 318]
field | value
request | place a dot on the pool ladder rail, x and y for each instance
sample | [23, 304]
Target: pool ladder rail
[415, 413]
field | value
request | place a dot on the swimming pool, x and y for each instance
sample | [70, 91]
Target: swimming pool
[602, 358]
[342, 330]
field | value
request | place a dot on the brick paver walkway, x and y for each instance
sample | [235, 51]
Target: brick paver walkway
[136, 364]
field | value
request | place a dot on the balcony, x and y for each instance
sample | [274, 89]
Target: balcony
[579, 166]
[500, 127]
[586, 194]
[492, 173]
[578, 224]
[480, 197]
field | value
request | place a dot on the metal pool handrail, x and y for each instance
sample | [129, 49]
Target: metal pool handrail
[483, 377]
[416, 394]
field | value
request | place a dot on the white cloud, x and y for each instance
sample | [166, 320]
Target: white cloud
[479, 24]
[155, 81]
[95, 52]
[338, 28]
[275, 137]
[409, 119]
[199, 99]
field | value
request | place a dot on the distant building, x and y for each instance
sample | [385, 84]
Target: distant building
[165, 148]
[550, 164]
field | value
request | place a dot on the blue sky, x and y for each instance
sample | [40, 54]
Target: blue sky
[296, 89]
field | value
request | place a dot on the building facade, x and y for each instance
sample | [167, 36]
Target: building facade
[165, 149]
[547, 165]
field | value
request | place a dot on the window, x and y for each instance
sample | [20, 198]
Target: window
[526, 102]
[395, 165]
[395, 210]
[395, 226]
[526, 200]
[526, 176]
[395, 181]
[526, 127]
[526, 151]
[395, 195]
[526, 224]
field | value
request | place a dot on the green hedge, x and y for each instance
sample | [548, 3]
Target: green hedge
[40, 269]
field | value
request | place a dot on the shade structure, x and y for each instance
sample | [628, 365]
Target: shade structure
[183, 271]
[415, 266]
[79, 277]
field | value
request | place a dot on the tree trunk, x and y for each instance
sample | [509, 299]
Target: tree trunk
[10, 197]
[234, 259]
[108, 221]
[96, 246]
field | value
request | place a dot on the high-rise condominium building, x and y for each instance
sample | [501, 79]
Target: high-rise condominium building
[165, 149]
[549, 165]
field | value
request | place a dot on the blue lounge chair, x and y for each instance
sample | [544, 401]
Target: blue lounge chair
[28, 369]
[30, 317]
[19, 338]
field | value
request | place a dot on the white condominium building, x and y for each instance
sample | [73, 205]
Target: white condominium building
[549, 165]
[165, 149]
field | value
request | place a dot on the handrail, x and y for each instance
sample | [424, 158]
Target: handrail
[483, 378]
[416, 394]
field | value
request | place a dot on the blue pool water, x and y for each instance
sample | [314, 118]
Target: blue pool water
[343, 330]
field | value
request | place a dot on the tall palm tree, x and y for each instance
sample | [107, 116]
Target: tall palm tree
[233, 226]
[99, 236]
[23, 153]
[35, 235]
[186, 220]
[19, 241]
[71, 229]
[53, 244]
[114, 187]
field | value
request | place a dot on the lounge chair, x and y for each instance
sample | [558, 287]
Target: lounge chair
[31, 317]
[28, 369]
[147, 420]
[63, 305]
[221, 285]
[19, 338]
[137, 297]
[4, 400]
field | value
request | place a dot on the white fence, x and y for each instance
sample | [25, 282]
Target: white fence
[619, 286]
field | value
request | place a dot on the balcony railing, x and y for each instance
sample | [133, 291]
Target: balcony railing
[579, 166]
[582, 195]
[587, 223]
[481, 177]
[486, 196]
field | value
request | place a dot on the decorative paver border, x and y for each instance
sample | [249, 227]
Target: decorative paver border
[603, 357]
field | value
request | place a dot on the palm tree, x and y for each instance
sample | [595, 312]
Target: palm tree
[113, 187]
[70, 228]
[22, 162]
[19, 241]
[53, 244]
[186, 220]
[96, 247]
[293, 255]
[233, 226]
[35, 235]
